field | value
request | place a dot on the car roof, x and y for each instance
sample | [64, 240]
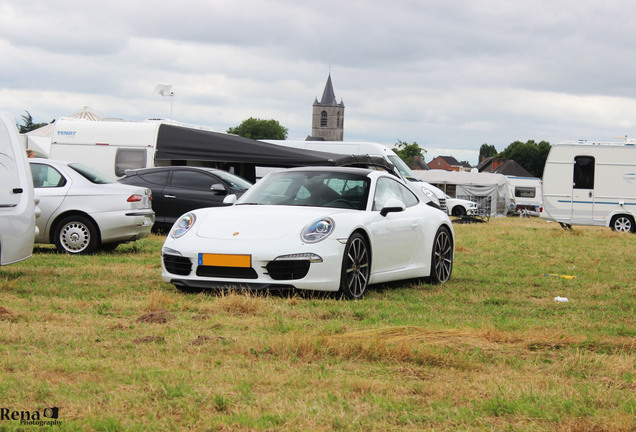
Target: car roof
[337, 169]
[170, 168]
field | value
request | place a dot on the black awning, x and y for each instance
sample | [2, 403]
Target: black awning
[184, 143]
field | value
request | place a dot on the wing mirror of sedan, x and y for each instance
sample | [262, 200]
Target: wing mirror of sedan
[229, 200]
[218, 189]
[392, 205]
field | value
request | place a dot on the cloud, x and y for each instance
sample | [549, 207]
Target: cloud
[447, 74]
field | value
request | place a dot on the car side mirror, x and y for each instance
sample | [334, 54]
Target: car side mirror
[218, 189]
[392, 205]
[229, 200]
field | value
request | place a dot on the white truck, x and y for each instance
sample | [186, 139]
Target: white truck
[17, 202]
[422, 188]
[591, 183]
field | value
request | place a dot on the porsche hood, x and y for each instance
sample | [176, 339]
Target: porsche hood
[257, 222]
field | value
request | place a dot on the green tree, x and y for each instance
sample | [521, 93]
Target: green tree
[27, 124]
[486, 151]
[530, 155]
[408, 152]
[260, 129]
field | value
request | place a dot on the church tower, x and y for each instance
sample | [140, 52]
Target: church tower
[328, 117]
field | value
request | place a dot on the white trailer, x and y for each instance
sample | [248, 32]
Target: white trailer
[419, 186]
[17, 202]
[527, 191]
[591, 183]
[109, 146]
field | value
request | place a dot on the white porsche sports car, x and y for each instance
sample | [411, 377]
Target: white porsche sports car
[323, 229]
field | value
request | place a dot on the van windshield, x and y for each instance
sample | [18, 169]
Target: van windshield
[403, 168]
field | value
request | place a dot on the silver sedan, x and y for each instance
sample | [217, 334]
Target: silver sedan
[83, 210]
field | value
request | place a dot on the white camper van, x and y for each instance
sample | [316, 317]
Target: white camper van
[17, 205]
[372, 149]
[591, 183]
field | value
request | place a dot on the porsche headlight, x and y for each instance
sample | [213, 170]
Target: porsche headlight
[430, 195]
[182, 225]
[317, 230]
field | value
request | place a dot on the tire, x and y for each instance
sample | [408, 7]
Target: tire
[442, 256]
[356, 267]
[623, 223]
[459, 211]
[76, 235]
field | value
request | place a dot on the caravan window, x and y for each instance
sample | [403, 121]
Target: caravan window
[129, 159]
[525, 192]
[583, 172]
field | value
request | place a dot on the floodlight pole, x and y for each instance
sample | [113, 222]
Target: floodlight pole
[165, 90]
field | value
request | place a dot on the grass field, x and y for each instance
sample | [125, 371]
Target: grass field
[115, 348]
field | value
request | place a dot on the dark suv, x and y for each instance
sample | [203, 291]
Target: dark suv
[179, 189]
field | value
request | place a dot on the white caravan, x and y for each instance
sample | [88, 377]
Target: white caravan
[17, 204]
[109, 146]
[527, 191]
[429, 191]
[591, 183]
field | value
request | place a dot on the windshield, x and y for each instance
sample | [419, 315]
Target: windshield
[403, 168]
[91, 175]
[233, 180]
[310, 188]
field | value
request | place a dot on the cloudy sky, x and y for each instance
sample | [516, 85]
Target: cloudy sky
[448, 74]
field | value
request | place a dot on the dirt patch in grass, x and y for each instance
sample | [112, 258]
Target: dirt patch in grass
[202, 340]
[149, 339]
[6, 312]
[156, 317]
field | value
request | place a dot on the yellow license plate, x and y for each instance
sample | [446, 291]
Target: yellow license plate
[223, 260]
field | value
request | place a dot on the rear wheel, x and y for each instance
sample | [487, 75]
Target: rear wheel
[442, 256]
[356, 266]
[76, 235]
[623, 223]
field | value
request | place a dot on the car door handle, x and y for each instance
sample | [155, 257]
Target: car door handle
[18, 190]
[169, 196]
[415, 225]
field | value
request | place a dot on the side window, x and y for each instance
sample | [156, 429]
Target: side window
[386, 189]
[158, 178]
[129, 159]
[192, 180]
[583, 172]
[408, 198]
[525, 192]
[45, 176]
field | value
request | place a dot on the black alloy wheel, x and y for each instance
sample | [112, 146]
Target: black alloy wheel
[356, 267]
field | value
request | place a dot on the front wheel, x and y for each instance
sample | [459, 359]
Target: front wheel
[76, 235]
[356, 267]
[623, 223]
[442, 256]
[459, 211]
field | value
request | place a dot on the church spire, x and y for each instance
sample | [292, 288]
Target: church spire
[327, 116]
[328, 95]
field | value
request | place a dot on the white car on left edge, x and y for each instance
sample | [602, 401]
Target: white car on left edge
[324, 229]
[83, 210]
